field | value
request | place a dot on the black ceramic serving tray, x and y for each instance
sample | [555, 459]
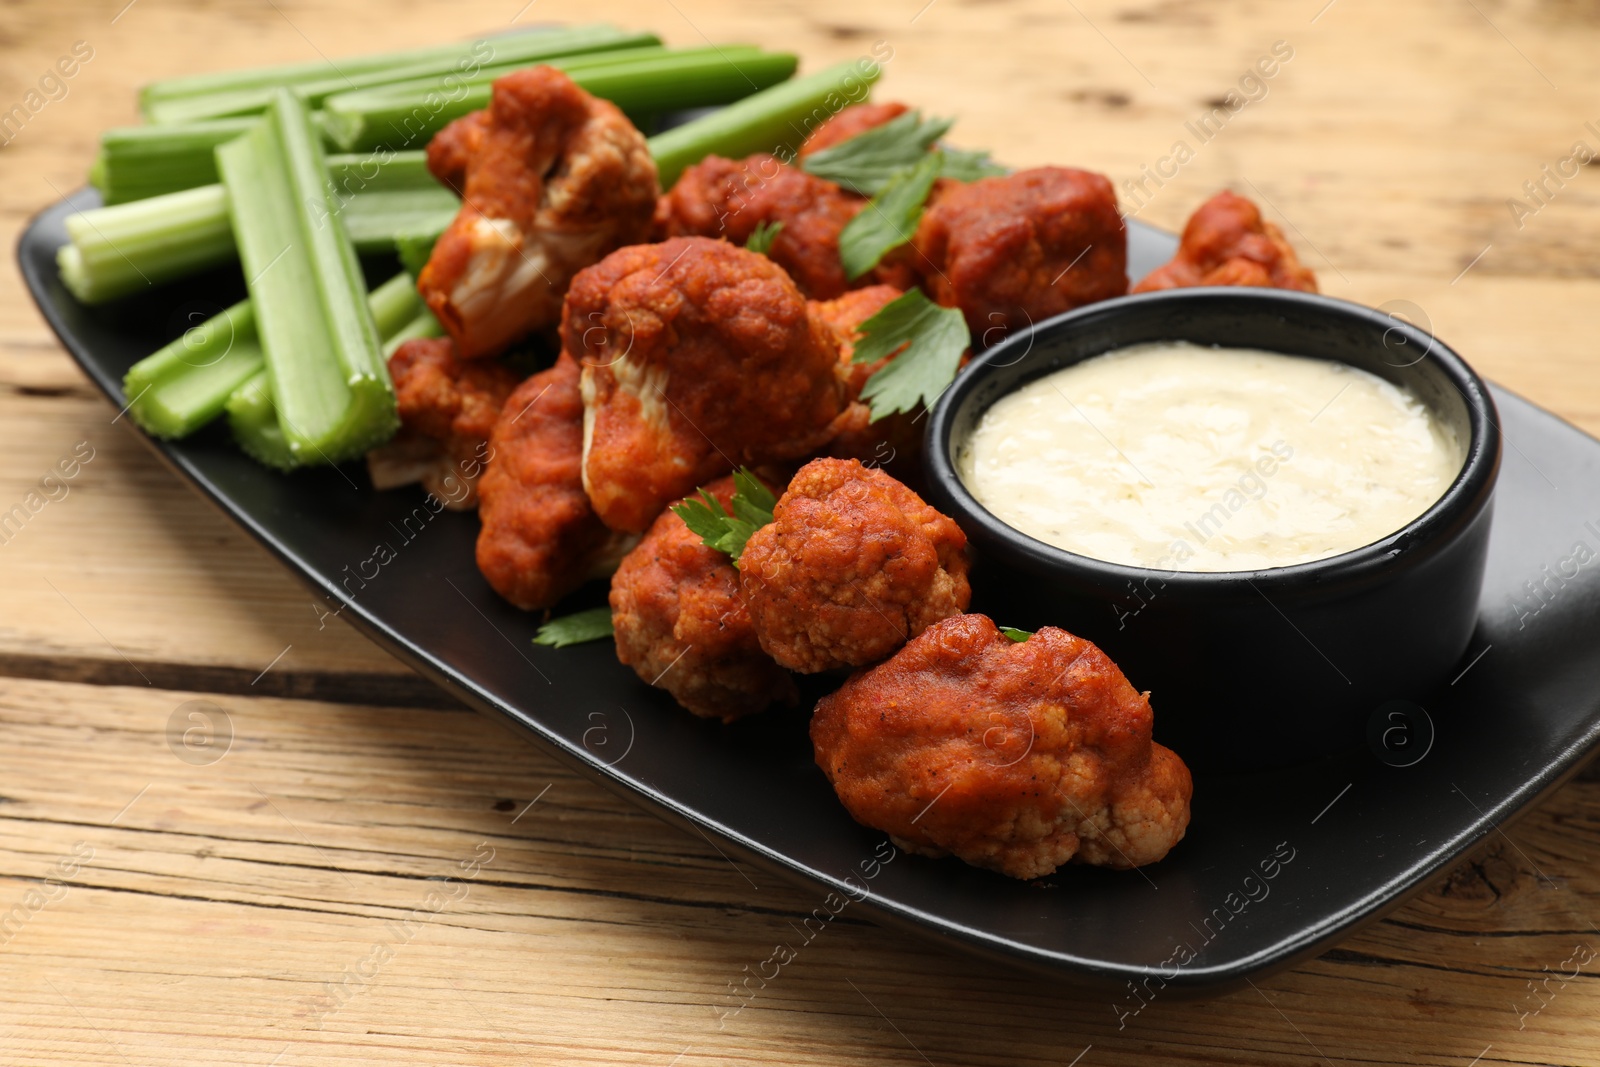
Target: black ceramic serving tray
[1276, 866]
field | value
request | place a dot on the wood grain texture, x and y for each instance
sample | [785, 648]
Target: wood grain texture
[274, 906]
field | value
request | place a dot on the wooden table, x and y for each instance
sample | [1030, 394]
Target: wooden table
[286, 903]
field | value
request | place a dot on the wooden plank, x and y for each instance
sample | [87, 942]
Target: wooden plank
[124, 575]
[211, 904]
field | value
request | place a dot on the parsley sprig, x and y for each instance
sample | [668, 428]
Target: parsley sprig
[761, 238]
[934, 338]
[575, 629]
[867, 162]
[890, 219]
[724, 530]
[1015, 634]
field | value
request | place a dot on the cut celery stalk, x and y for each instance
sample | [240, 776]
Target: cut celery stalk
[773, 119]
[119, 250]
[324, 358]
[252, 413]
[655, 80]
[448, 83]
[416, 108]
[395, 305]
[424, 325]
[122, 249]
[381, 198]
[253, 420]
[244, 92]
[135, 162]
[183, 385]
[415, 249]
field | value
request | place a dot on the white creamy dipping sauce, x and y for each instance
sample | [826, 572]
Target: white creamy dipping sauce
[1180, 457]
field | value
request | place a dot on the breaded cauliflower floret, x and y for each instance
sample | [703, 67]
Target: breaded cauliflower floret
[853, 565]
[681, 623]
[698, 357]
[1013, 251]
[452, 150]
[540, 538]
[448, 409]
[729, 198]
[1227, 242]
[843, 317]
[552, 179]
[1012, 756]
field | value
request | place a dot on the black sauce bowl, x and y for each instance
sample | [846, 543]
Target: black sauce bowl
[1247, 669]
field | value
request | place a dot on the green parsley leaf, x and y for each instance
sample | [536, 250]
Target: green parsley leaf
[1015, 634]
[966, 165]
[761, 237]
[728, 531]
[889, 219]
[866, 162]
[752, 500]
[934, 338]
[575, 629]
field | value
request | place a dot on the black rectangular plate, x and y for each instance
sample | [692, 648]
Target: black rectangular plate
[1359, 835]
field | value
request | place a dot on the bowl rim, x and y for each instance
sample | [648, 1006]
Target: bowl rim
[1465, 498]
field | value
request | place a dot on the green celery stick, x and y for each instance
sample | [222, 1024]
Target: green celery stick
[252, 414]
[185, 384]
[404, 113]
[253, 420]
[243, 92]
[431, 107]
[324, 359]
[424, 325]
[395, 305]
[380, 197]
[182, 386]
[135, 162]
[119, 250]
[773, 119]
[415, 249]
[122, 249]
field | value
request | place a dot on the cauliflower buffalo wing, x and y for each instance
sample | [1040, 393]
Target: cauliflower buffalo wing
[681, 623]
[853, 565]
[1012, 251]
[551, 179]
[1012, 756]
[540, 538]
[1227, 242]
[453, 148]
[729, 198]
[698, 357]
[843, 318]
[448, 408]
